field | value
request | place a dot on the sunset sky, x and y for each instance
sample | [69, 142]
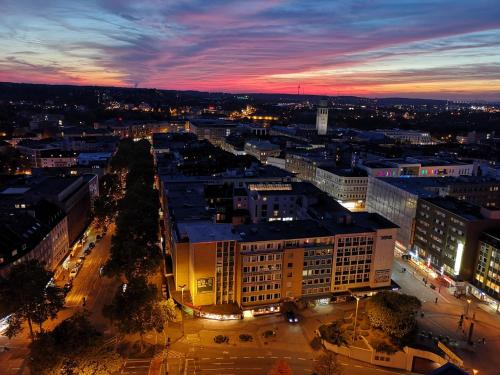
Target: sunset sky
[435, 49]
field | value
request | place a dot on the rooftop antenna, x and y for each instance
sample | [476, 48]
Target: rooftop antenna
[298, 90]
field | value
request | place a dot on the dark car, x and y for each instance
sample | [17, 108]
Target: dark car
[91, 245]
[67, 287]
[291, 317]
[87, 251]
[98, 237]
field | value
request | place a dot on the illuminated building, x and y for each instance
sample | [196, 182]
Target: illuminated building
[447, 232]
[257, 266]
[487, 274]
[344, 185]
[261, 150]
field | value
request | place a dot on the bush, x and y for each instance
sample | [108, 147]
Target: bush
[383, 347]
[269, 333]
[364, 325]
[245, 337]
[219, 339]
[333, 333]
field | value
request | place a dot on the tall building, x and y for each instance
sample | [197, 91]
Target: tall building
[257, 266]
[447, 231]
[487, 274]
[322, 117]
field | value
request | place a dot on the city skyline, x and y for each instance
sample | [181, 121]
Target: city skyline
[373, 48]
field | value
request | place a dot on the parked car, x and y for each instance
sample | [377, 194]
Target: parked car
[291, 317]
[91, 245]
[87, 251]
[74, 271]
[67, 287]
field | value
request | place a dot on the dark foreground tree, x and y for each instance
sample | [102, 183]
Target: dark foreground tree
[136, 309]
[74, 347]
[26, 291]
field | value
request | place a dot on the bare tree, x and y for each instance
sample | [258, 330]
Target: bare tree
[327, 364]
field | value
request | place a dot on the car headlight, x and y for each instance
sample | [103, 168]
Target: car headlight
[296, 320]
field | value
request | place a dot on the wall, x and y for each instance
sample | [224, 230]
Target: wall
[203, 259]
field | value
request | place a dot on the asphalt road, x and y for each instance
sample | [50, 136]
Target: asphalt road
[252, 362]
[98, 291]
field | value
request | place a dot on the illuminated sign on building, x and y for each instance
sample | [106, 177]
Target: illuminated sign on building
[458, 258]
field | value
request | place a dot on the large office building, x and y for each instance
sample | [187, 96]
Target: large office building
[345, 185]
[414, 167]
[258, 266]
[396, 198]
[447, 232]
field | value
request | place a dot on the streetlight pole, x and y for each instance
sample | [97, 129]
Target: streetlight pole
[355, 319]
[182, 305]
[468, 304]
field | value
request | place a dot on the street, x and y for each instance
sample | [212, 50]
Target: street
[442, 318]
[97, 290]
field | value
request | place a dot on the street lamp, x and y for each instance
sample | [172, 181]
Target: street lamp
[468, 304]
[182, 293]
[182, 305]
[355, 318]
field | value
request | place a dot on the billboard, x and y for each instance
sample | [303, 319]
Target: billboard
[382, 276]
[205, 285]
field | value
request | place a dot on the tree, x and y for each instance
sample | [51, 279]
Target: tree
[74, 347]
[26, 292]
[280, 367]
[135, 309]
[393, 312]
[169, 309]
[327, 365]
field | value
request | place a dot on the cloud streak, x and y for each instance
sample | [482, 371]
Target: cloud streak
[329, 47]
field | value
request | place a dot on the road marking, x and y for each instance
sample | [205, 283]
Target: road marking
[274, 357]
[219, 358]
[205, 359]
[261, 357]
[233, 357]
[246, 357]
[302, 359]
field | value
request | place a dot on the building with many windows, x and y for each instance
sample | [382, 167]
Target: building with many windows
[487, 274]
[345, 185]
[258, 266]
[447, 231]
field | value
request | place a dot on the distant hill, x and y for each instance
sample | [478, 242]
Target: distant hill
[41, 92]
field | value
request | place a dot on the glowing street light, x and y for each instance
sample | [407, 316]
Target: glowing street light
[355, 318]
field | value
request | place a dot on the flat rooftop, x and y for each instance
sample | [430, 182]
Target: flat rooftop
[457, 207]
[207, 231]
[279, 230]
[346, 172]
